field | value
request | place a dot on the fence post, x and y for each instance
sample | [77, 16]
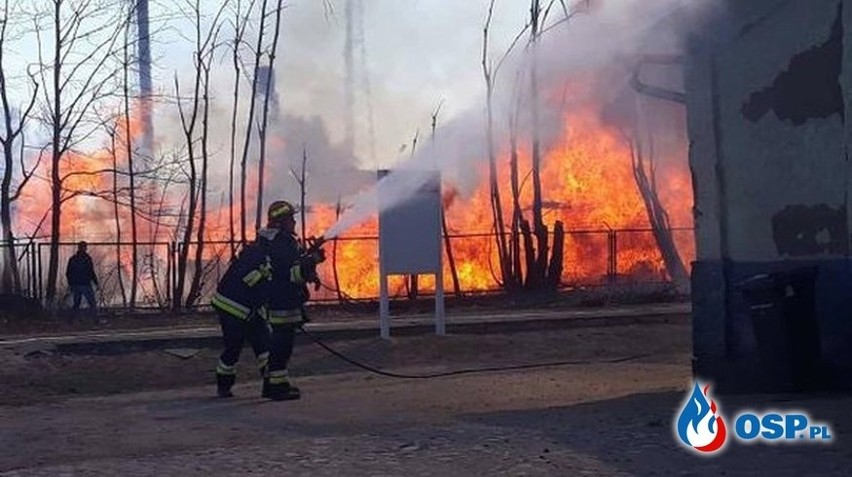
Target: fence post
[612, 257]
[169, 272]
[34, 272]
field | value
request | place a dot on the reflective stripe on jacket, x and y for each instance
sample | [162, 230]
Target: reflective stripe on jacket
[244, 286]
[231, 307]
[282, 317]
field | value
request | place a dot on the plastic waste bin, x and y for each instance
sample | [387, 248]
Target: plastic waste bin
[782, 308]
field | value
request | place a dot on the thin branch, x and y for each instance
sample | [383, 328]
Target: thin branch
[656, 91]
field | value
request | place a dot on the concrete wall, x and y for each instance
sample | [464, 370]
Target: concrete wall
[768, 86]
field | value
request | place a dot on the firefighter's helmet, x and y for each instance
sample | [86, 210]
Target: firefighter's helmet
[279, 210]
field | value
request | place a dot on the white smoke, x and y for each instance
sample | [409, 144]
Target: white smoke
[331, 170]
[612, 32]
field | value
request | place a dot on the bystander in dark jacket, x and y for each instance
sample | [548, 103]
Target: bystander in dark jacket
[80, 274]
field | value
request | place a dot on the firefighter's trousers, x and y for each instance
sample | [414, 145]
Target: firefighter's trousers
[280, 350]
[235, 332]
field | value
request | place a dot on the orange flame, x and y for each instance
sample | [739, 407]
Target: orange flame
[587, 181]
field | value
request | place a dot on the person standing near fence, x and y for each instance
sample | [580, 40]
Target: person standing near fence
[81, 277]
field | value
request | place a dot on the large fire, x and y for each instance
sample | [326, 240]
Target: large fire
[587, 180]
[588, 184]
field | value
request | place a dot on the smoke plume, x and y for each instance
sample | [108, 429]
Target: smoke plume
[598, 47]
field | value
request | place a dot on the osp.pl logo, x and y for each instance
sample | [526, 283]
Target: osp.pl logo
[701, 427]
[698, 425]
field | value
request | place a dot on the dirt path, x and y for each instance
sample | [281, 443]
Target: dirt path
[591, 419]
[32, 377]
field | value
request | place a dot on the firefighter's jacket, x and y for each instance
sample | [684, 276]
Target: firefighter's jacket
[245, 286]
[287, 290]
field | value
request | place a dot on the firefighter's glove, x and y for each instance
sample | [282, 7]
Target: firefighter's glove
[309, 268]
[318, 255]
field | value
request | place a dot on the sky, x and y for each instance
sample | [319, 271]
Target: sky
[418, 54]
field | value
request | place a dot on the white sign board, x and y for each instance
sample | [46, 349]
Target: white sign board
[410, 235]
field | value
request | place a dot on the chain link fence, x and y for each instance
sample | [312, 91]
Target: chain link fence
[351, 271]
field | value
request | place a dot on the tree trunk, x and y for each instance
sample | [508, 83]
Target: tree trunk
[529, 254]
[204, 51]
[445, 229]
[496, 203]
[11, 276]
[235, 105]
[117, 217]
[303, 193]
[56, 153]
[337, 210]
[183, 252]
[554, 271]
[265, 118]
[195, 288]
[250, 123]
[448, 245]
[540, 229]
[517, 214]
[162, 301]
[183, 248]
[658, 218]
[128, 140]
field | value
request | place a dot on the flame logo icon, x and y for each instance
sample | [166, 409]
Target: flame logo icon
[698, 425]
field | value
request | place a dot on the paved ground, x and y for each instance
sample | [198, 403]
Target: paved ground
[590, 418]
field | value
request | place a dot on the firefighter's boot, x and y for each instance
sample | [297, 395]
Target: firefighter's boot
[282, 392]
[224, 383]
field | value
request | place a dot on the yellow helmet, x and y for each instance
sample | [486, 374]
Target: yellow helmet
[280, 209]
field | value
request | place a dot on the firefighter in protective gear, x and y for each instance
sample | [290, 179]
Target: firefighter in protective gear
[238, 299]
[291, 270]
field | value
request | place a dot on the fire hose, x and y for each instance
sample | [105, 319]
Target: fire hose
[315, 247]
[549, 364]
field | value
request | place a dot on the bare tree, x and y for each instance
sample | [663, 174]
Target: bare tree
[644, 166]
[129, 152]
[241, 21]
[448, 244]
[13, 130]
[301, 180]
[85, 39]
[488, 73]
[158, 213]
[111, 131]
[264, 120]
[338, 208]
[643, 154]
[543, 269]
[536, 271]
[205, 46]
[258, 55]
[517, 214]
